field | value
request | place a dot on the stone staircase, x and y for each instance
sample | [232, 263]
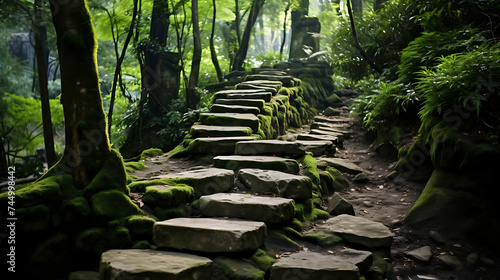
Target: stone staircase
[236, 220]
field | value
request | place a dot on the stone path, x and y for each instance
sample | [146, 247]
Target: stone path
[255, 200]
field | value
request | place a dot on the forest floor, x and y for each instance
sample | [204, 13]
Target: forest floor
[381, 198]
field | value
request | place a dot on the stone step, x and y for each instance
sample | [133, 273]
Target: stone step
[218, 145]
[266, 96]
[317, 131]
[259, 103]
[153, 264]
[287, 81]
[340, 164]
[317, 147]
[221, 108]
[238, 162]
[276, 182]
[313, 266]
[209, 235]
[358, 230]
[269, 147]
[334, 120]
[219, 131]
[273, 90]
[248, 206]
[319, 137]
[342, 126]
[333, 128]
[231, 119]
[204, 181]
[274, 84]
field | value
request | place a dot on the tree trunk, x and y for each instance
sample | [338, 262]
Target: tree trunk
[118, 68]
[40, 45]
[241, 54]
[213, 52]
[296, 40]
[87, 141]
[284, 31]
[192, 96]
[237, 21]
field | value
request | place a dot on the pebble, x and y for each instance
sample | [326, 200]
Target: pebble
[437, 237]
[361, 177]
[368, 203]
[450, 261]
[472, 259]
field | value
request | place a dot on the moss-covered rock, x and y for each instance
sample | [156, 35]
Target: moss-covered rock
[140, 225]
[167, 196]
[143, 244]
[340, 183]
[112, 204]
[324, 239]
[262, 260]
[76, 210]
[131, 167]
[118, 237]
[34, 218]
[172, 212]
[112, 176]
[235, 269]
[153, 152]
[91, 240]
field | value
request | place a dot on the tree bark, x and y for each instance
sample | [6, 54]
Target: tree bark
[241, 54]
[192, 96]
[356, 41]
[87, 141]
[213, 52]
[40, 45]
[284, 31]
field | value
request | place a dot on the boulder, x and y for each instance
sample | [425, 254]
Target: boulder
[276, 182]
[362, 259]
[337, 205]
[167, 196]
[152, 264]
[221, 108]
[331, 112]
[312, 265]
[359, 231]
[204, 181]
[248, 206]
[217, 145]
[219, 131]
[209, 235]
[238, 162]
[340, 164]
[423, 254]
[231, 119]
[269, 147]
[259, 103]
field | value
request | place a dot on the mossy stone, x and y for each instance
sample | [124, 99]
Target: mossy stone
[140, 186]
[324, 239]
[143, 244]
[172, 212]
[131, 167]
[111, 176]
[262, 260]
[91, 240]
[235, 269]
[119, 237]
[76, 210]
[179, 151]
[140, 225]
[33, 218]
[340, 183]
[153, 152]
[311, 170]
[168, 196]
[44, 191]
[112, 204]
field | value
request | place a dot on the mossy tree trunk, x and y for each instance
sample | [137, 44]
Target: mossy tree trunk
[87, 141]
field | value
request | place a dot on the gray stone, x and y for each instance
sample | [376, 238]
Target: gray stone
[336, 120]
[221, 108]
[340, 164]
[229, 268]
[316, 147]
[333, 129]
[209, 235]
[359, 231]
[231, 119]
[267, 83]
[243, 102]
[437, 237]
[319, 137]
[204, 181]
[287, 81]
[341, 126]
[331, 112]
[219, 131]
[313, 266]
[83, 275]
[361, 177]
[279, 183]
[154, 265]
[449, 261]
[362, 259]
[269, 147]
[240, 91]
[273, 90]
[217, 145]
[472, 259]
[248, 206]
[322, 131]
[266, 96]
[262, 162]
[422, 254]
[337, 205]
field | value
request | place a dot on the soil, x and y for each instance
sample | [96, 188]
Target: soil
[384, 198]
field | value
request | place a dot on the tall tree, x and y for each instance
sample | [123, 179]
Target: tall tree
[87, 141]
[192, 97]
[41, 47]
[213, 52]
[241, 54]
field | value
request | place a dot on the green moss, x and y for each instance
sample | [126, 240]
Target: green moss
[379, 269]
[76, 210]
[307, 211]
[262, 260]
[140, 225]
[174, 212]
[179, 151]
[323, 238]
[234, 269]
[153, 152]
[167, 196]
[279, 237]
[131, 167]
[113, 204]
[266, 126]
[296, 224]
[311, 170]
[118, 237]
[340, 183]
[143, 244]
[112, 176]
[326, 181]
[292, 233]
[91, 240]
[33, 218]
[42, 191]
[140, 187]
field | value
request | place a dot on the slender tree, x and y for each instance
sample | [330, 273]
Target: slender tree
[213, 52]
[41, 44]
[287, 8]
[192, 97]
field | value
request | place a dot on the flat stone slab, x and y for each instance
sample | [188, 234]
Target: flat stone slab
[273, 90]
[339, 135]
[340, 164]
[269, 147]
[248, 206]
[204, 181]
[313, 266]
[362, 259]
[359, 231]
[266, 96]
[341, 126]
[238, 162]
[209, 235]
[217, 145]
[337, 205]
[259, 103]
[276, 182]
[152, 264]
[332, 129]
[317, 147]
[221, 108]
[422, 254]
[335, 120]
[267, 83]
[287, 81]
[319, 137]
[219, 131]
[231, 119]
